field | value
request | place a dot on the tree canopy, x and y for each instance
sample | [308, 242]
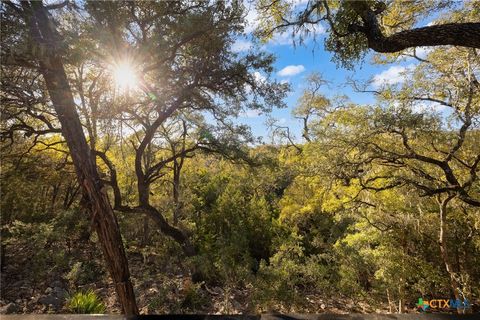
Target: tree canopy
[385, 27]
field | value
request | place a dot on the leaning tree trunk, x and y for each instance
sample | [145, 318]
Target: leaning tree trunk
[44, 35]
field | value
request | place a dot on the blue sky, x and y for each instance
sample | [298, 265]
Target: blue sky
[294, 63]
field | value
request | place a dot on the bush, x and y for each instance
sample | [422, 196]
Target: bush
[234, 235]
[85, 303]
[83, 273]
[194, 298]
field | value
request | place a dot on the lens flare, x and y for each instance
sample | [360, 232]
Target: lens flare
[125, 76]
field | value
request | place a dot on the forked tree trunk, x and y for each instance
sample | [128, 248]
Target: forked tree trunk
[43, 32]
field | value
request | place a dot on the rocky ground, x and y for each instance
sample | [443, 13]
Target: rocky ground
[159, 290]
[156, 295]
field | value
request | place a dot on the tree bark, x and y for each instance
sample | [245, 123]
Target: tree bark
[456, 34]
[3, 248]
[175, 233]
[176, 191]
[143, 180]
[145, 207]
[43, 32]
[177, 169]
[443, 246]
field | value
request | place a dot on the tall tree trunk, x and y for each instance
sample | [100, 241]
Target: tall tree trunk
[146, 232]
[390, 307]
[443, 246]
[176, 192]
[3, 248]
[44, 34]
[401, 285]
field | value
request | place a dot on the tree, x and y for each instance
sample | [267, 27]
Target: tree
[187, 72]
[432, 86]
[404, 145]
[355, 26]
[311, 104]
[43, 34]
[183, 73]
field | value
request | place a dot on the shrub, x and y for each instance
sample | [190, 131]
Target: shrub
[83, 273]
[85, 303]
[194, 298]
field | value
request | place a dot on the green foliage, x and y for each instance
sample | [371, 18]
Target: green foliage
[83, 273]
[194, 299]
[234, 227]
[34, 244]
[85, 303]
[349, 49]
[291, 274]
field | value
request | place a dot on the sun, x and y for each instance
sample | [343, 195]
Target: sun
[125, 76]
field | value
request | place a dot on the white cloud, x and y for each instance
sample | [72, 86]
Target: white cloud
[241, 45]
[299, 2]
[316, 29]
[281, 39]
[428, 107]
[259, 77]
[284, 38]
[287, 38]
[291, 70]
[252, 20]
[393, 75]
[421, 52]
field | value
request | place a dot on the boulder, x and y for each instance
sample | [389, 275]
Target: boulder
[56, 302]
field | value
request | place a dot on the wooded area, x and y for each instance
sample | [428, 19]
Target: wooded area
[128, 185]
